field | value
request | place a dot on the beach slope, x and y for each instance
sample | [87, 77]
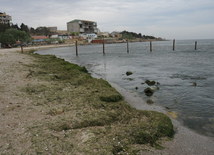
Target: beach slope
[49, 106]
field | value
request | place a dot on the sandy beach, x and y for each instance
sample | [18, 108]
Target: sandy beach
[185, 142]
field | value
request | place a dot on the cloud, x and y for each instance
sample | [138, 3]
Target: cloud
[164, 18]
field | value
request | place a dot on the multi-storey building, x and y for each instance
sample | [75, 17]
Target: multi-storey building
[82, 26]
[4, 18]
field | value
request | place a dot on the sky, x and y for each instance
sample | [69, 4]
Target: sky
[170, 19]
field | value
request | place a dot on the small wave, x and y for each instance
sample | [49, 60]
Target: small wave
[187, 77]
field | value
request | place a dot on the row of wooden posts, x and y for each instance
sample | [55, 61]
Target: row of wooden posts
[127, 42]
[173, 46]
[76, 45]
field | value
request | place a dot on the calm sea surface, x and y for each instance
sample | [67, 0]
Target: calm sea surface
[176, 71]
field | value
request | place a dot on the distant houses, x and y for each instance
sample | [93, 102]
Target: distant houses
[84, 31]
[4, 18]
[39, 39]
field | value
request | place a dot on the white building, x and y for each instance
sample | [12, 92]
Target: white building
[89, 37]
[4, 18]
[60, 36]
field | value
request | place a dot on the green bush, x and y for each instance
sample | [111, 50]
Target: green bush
[112, 98]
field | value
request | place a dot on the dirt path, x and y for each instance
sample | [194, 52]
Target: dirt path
[14, 109]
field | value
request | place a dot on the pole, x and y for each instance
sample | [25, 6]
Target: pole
[21, 48]
[103, 46]
[150, 46]
[76, 48]
[195, 45]
[127, 46]
[173, 48]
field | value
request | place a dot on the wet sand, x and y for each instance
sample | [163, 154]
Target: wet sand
[185, 142]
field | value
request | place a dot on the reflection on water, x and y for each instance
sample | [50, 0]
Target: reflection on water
[186, 76]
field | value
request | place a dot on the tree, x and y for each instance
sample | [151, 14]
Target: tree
[15, 26]
[32, 30]
[7, 39]
[43, 31]
[133, 35]
[4, 27]
[18, 35]
[24, 27]
[10, 36]
[75, 33]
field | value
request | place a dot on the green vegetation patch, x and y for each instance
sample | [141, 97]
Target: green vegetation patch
[112, 98]
[86, 115]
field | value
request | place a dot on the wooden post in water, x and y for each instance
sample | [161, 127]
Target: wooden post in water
[21, 48]
[173, 48]
[150, 46]
[127, 45]
[195, 45]
[103, 46]
[76, 48]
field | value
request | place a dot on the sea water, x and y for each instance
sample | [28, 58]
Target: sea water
[186, 75]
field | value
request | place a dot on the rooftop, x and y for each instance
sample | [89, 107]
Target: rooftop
[78, 20]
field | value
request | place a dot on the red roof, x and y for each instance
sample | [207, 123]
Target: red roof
[39, 37]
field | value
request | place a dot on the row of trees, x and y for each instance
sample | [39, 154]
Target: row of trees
[10, 34]
[133, 35]
[29, 30]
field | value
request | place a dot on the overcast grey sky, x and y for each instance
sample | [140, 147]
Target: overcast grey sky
[180, 19]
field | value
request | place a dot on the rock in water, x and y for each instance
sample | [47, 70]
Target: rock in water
[148, 91]
[150, 83]
[128, 73]
[194, 84]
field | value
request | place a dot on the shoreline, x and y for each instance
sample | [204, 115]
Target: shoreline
[36, 47]
[185, 140]
[50, 106]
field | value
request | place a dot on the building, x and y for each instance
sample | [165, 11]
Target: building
[103, 34]
[82, 26]
[62, 32]
[89, 36]
[39, 39]
[60, 36]
[116, 34]
[53, 29]
[4, 18]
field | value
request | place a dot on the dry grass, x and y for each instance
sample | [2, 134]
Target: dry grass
[86, 115]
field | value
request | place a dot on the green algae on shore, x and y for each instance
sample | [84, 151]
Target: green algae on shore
[87, 115]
